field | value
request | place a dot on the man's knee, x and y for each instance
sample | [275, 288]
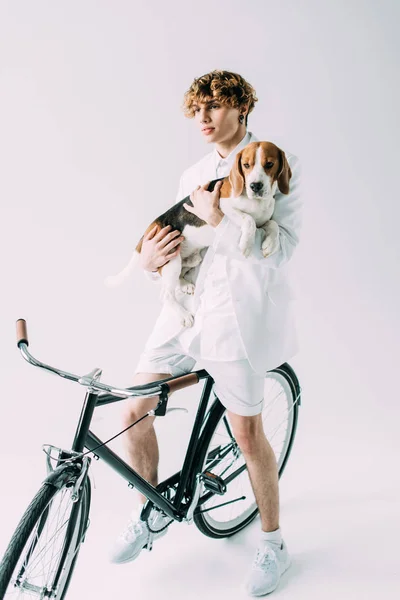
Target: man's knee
[248, 431]
[136, 407]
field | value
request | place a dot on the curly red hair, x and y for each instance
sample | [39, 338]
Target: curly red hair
[228, 88]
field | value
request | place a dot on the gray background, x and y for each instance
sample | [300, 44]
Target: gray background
[92, 144]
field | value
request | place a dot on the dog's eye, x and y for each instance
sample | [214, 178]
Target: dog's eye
[268, 165]
[246, 165]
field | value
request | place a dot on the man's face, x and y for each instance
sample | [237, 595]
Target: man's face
[216, 121]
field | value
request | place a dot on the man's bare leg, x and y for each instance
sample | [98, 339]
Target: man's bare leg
[261, 465]
[140, 440]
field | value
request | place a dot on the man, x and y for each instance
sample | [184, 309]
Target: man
[236, 346]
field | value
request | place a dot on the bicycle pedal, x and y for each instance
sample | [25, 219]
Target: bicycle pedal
[213, 482]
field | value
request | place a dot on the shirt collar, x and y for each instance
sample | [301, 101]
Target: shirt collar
[228, 160]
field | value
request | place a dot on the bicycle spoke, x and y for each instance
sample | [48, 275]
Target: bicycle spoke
[52, 540]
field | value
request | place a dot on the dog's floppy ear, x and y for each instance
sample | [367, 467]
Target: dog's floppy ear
[284, 174]
[236, 177]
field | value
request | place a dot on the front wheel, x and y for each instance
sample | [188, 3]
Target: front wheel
[42, 553]
[224, 513]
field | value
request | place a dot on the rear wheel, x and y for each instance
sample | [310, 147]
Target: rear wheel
[225, 513]
[42, 553]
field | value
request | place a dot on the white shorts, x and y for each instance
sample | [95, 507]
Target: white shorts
[239, 388]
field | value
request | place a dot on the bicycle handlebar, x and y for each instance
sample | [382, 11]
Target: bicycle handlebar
[91, 380]
[22, 332]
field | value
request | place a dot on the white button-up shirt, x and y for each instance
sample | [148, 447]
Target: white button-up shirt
[215, 334]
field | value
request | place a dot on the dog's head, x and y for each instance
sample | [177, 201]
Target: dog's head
[259, 168]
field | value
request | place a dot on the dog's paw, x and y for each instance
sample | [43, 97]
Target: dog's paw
[187, 319]
[186, 287]
[270, 245]
[246, 245]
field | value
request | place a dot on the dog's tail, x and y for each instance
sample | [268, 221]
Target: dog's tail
[114, 280]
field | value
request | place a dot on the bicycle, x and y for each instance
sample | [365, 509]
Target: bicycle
[213, 467]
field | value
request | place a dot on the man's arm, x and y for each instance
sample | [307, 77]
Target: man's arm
[155, 275]
[287, 215]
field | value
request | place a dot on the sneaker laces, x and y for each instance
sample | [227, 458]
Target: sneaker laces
[265, 559]
[133, 528]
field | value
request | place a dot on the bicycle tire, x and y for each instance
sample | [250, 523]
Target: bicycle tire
[37, 514]
[215, 416]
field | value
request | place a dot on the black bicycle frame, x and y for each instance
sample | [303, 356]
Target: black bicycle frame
[84, 438]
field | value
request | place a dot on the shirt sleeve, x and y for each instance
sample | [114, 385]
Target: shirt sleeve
[155, 275]
[288, 216]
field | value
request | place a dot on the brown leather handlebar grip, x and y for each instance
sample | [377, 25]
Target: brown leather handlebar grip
[22, 332]
[182, 382]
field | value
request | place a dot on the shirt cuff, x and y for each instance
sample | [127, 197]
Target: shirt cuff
[220, 228]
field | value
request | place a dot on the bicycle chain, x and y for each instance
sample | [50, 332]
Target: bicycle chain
[158, 530]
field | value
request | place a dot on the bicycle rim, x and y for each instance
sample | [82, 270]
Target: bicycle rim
[57, 532]
[237, 506]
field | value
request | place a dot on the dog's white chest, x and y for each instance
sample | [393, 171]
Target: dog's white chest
[260, 210]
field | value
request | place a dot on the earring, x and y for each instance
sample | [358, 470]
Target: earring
[241, 118]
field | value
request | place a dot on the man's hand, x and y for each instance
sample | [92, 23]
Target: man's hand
[206, 204]
[158, 248]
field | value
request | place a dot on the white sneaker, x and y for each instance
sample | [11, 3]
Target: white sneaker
[137, 536]
[269, 564]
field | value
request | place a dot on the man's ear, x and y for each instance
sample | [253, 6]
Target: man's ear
[236, 177]
[284, 174]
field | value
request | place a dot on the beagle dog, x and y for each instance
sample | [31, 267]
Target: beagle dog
[246, 197]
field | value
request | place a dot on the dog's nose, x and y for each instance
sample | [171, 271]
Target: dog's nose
[256, 186]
